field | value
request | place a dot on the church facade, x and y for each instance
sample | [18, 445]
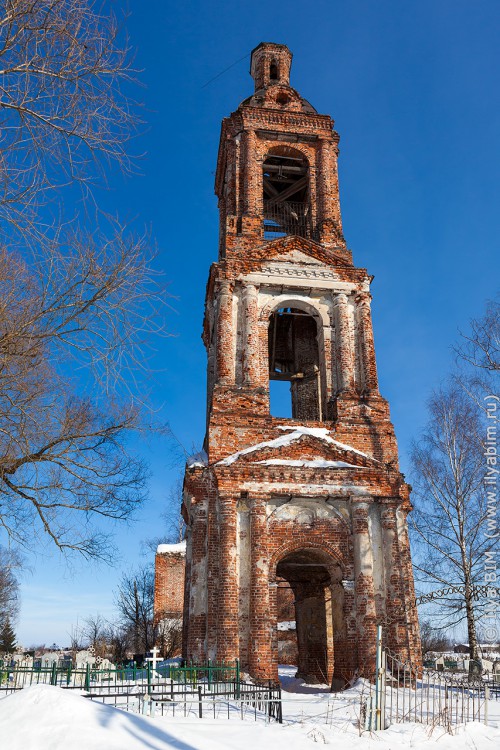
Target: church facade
[312, 503]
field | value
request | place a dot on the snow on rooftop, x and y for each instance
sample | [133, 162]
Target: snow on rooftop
[179, 548]
[296, 432]
[197, 459]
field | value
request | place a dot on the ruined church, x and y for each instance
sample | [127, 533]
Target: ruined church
[311, 503]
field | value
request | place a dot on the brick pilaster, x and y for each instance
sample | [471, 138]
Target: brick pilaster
[260, 626]
[228, 597]
[364, 588]
[251, 335]
[367, 348]
[225, 342]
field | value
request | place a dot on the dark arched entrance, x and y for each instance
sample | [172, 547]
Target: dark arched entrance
[313, 576]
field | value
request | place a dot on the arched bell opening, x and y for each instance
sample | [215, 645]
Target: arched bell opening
[310, 575]
[294, 362]
[285, 182]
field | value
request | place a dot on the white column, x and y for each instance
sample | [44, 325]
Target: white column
[344, 356]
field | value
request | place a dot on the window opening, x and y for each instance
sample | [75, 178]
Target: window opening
[273, 72]
[287, 208]
[294, 359]
[280, 399]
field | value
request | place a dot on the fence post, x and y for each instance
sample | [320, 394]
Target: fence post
[209, 674]
[378, 680]
[87, 677]
[200, 703]
[53, 676]
[237, 679]
[149, 677]
[486, 699]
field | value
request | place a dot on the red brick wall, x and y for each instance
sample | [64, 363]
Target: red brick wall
[169, 585]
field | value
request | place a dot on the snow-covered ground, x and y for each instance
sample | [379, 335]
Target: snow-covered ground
[50, 718]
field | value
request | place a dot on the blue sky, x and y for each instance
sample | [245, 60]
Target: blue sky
[413, 88]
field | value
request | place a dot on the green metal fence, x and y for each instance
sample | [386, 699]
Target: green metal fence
[15, 677]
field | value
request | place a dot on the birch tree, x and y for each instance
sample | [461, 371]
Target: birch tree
[451, 514]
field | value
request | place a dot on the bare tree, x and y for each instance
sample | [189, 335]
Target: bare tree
[9, 585]
[450, 520]
[173, 524]
[135, 602]
[169, 636]
[63, 431]
[118, 642]
[478, 359]
[432, 639]
[78, 302]
[480, 347]
[95, 634]
[64, 105]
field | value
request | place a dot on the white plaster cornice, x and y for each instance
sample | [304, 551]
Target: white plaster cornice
[297, 277]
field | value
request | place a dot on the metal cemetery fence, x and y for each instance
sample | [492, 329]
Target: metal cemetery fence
[226, 700]
[402, 692]
[209, 689]
[14, 677]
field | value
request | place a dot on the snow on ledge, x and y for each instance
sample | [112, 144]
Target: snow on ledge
[173, 549]
[197, 459]
[295, 433]
[287, 625]
[316, 463]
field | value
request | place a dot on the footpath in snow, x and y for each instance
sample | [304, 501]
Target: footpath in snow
[42, 717]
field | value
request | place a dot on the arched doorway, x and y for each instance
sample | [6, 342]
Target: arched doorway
[314, 578]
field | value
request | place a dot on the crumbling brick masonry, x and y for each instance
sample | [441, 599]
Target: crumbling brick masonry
[316, 500]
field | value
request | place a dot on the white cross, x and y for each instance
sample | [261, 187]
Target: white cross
[153, 659]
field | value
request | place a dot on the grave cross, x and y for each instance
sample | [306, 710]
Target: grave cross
[153, 659]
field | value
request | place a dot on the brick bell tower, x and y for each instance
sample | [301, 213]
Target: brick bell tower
[314, 503]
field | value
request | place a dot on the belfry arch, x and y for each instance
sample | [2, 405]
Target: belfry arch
[295, 356]
[286, 193]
